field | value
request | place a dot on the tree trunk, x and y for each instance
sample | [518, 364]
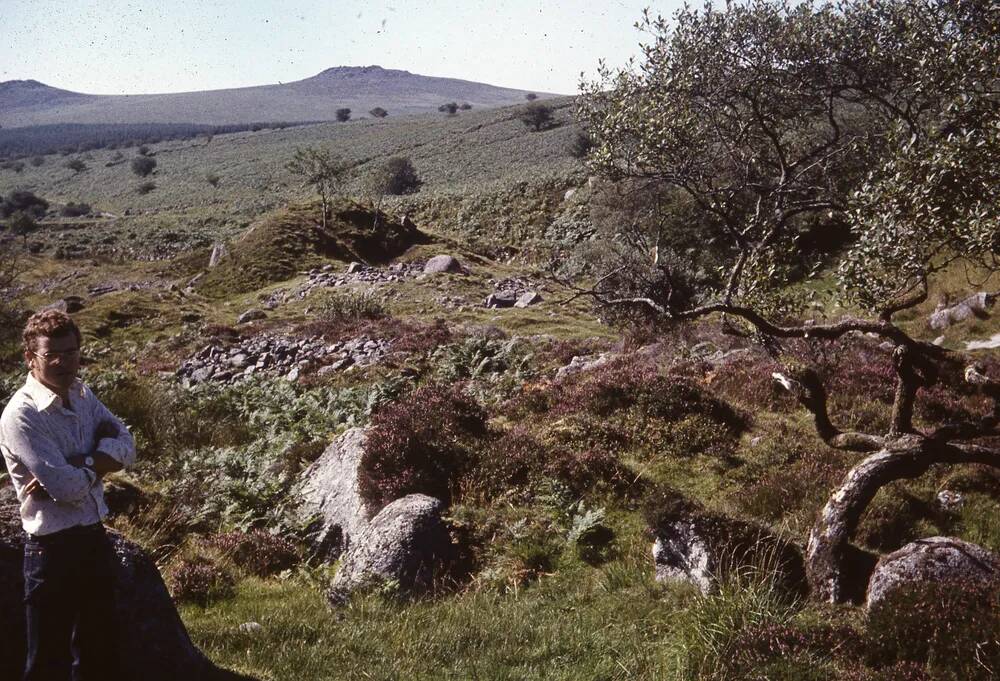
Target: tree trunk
[830, 554]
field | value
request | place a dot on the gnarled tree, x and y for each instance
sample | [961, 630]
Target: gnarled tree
[769, 121]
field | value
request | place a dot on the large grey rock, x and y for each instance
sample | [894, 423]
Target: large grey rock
[329, 490]
[406, 544]
[976, 305]
[219, 251]
[154, 643]
[500, 299]
[528, 298]
[699, 547]
[582, 363]
[250, 316]
[935, 559]
[442, 263]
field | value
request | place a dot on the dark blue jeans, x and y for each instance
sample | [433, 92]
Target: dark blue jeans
[69, 602]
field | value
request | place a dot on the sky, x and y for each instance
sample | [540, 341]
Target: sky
[155, 46]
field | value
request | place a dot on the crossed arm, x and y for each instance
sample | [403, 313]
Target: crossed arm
[103, 463]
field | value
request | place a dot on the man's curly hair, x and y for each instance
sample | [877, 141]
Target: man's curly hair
[50, 324]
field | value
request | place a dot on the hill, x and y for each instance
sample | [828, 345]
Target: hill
[360, 88]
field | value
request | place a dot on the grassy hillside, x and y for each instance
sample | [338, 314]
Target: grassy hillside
[482, 171]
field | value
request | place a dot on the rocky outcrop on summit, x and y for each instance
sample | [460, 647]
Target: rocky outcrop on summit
[406, 544]
[935, 559]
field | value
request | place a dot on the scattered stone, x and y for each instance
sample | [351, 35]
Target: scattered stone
[499, 300]
[976, 305]
[329, 491]
[405, 544]
[219, 251]
[582, 363]
[950, 500]
[357, 273]
[250, 316]
[935, 559]
[251, 628]
[354, 268]
[528, 298]
[442, 263]
[69, 305]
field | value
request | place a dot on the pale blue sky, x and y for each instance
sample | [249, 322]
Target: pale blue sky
[145, 46]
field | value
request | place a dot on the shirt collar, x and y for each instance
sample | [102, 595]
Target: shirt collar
[43, 397]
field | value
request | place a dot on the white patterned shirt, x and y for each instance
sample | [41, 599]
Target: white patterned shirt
[37, 436]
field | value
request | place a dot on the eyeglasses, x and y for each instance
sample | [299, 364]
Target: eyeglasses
[53, 355]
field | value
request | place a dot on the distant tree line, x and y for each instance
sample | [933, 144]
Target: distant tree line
[70, 138]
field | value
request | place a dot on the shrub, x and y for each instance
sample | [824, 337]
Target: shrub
[23, 202]
[73, 210]
[143, 165]
[76, 165]
[143, 150]
[343, 308]
[199, 581]
[343, 114]
[146, 187]
[37, 161]
[16, 166]
[953, 628]
[451, 108]
[420, 444]
[258, 551]
[212, 179]
[464, 106]
[378, 112]
[581, 145]
[537, 116]
[398, 176]
[531, 96]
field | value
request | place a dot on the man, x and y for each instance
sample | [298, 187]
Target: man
[58, 441]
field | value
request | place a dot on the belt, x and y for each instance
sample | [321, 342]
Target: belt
[75, 531]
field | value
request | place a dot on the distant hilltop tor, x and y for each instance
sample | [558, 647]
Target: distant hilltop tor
[359, 88]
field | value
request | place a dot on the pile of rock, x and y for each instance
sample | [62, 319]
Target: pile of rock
[513, 292]
[277, 356]
[356, 273]
[976, 305]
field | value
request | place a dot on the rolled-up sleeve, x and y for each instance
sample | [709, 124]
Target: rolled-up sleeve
[30, 444]
[120, 448]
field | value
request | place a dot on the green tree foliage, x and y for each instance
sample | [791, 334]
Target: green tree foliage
[536, 116]
[143, 165]
[319, 169]
[765, 118]
[343, 115]
[21, 224]
[23, 201]
[378, 112]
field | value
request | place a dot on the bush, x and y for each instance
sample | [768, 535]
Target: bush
[531, 96]
[353, 306]
[464, 106]
[73, 210]
[378, 112]
[343, 114]
[199, 581]
[143, 165]
[23, 202]
[398, 176]
[258, 552]
[37, 161]
[212, 179]
[451, 108]
[16, 166]
[76, 165]
[420, 444]
[953, 628]
[581, 145]
[537, 116]
[143, 150]
[146, 187]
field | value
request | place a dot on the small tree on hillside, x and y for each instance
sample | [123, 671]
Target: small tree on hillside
[319, 169]
[531, 96]
[23, 201]
[450, 108]
[76, 165]
[378, 112]
[21, 224]
[396, 176]
[143, 165]
[343, 115]
[536, 116]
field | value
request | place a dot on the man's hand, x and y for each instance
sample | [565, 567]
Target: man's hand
[103, 464]
[35, 488]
